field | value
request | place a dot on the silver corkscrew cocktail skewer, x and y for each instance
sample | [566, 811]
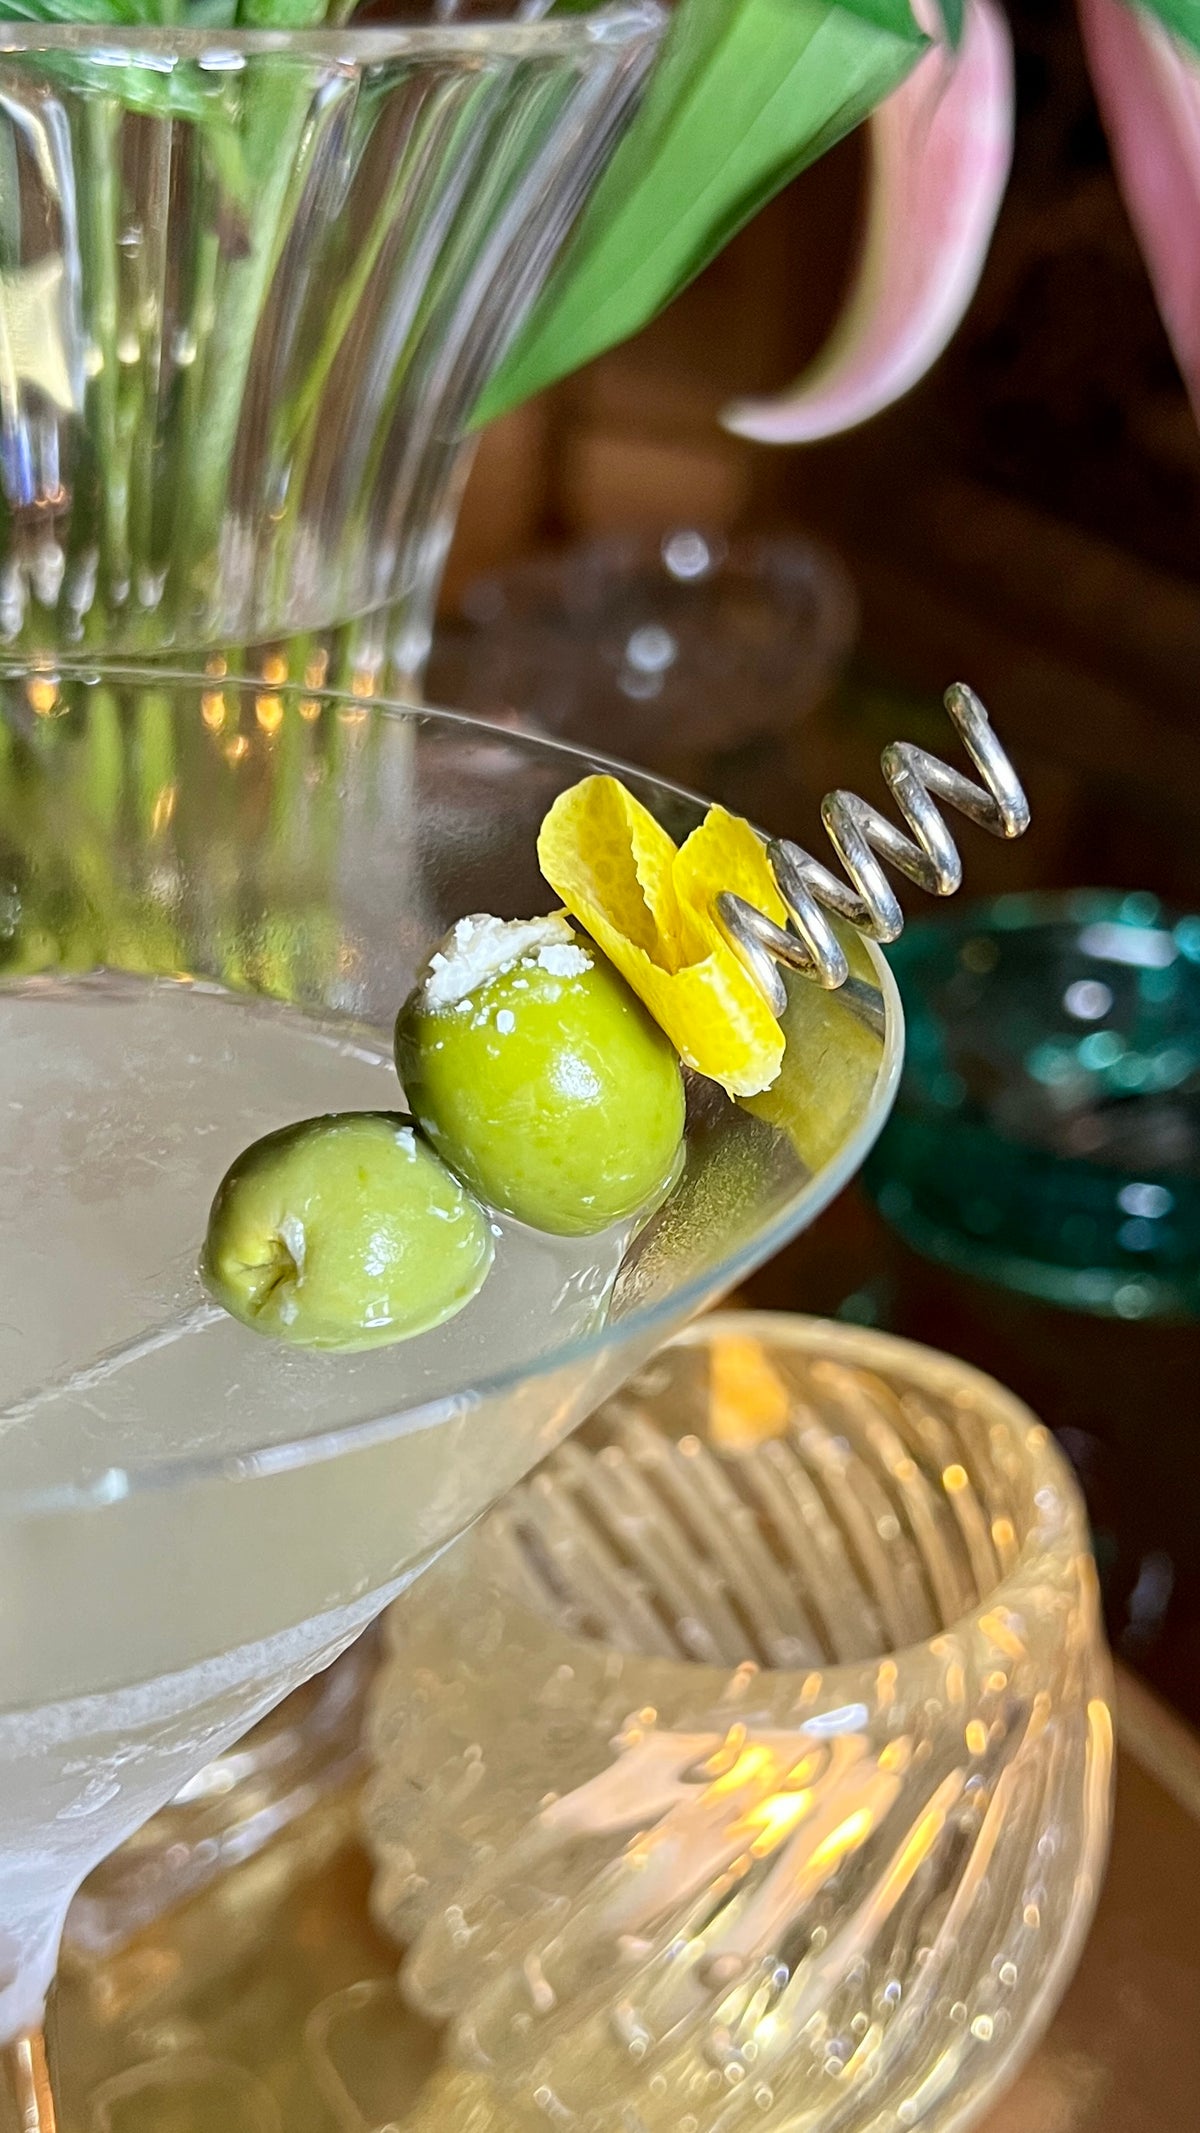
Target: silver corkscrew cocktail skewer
[858, 831]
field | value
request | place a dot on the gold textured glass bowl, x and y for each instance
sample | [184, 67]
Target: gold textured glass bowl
[750, 1766]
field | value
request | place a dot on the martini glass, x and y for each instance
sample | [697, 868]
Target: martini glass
[212, 901]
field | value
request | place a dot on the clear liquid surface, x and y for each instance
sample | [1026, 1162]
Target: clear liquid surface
[129, 1655]
[122, 1103]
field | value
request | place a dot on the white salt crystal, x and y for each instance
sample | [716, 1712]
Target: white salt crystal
[483, 947]
[569, 961]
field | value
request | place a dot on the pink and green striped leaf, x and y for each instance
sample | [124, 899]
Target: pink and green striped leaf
[1148, 87]
[746, 93]
[941, 147]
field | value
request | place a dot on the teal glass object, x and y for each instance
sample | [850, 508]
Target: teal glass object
[1047, 1133]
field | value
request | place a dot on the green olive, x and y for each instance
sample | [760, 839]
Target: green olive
[539, 1076]
[344, 1232]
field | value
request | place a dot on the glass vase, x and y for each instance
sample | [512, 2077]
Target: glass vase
[251, 285]
[804, 1818]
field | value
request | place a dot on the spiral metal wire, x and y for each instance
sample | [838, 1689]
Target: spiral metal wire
[857, 832]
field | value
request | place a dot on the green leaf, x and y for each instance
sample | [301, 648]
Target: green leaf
[122, 12]
[894, 15]
[745, 94]
[951, 12]
[1181, 16]
[281, 14]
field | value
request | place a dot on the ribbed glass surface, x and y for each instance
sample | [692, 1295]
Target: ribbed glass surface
[803, 1820]
[250, 288]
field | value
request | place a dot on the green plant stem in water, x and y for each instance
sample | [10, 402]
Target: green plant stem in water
[100, 256]
[272, 126]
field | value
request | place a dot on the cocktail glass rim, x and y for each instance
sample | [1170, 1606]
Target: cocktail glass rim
[667, 1311]
[361, 43]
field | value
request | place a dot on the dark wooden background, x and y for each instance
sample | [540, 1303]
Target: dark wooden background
[1029, 520]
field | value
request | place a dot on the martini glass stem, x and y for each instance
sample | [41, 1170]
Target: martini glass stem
[26, 2101]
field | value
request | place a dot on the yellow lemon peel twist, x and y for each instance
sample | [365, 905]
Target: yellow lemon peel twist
[650, 905]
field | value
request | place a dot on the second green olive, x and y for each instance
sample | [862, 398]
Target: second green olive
[344, 1232]
[548, 1089]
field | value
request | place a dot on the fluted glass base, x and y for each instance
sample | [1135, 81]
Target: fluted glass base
[255, 287]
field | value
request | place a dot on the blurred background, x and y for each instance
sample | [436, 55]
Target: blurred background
[1026, 520]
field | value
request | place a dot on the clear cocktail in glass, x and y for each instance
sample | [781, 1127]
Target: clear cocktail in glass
[212, 901]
